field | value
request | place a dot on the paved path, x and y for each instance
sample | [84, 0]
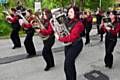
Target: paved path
[91, 58]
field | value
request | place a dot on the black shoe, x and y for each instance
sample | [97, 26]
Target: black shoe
[87, 43]
[30, 56]
[47, 68]
[101, 40]
[108, 66]
[16, 47]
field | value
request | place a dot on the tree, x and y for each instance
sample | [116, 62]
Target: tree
[93, 4]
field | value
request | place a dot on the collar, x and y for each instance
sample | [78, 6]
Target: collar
[72, 20]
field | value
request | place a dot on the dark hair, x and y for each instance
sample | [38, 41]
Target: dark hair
[30, 11]
[85, 13]
[113, 12]
[76, 11]
[48, 13]
[13, 9]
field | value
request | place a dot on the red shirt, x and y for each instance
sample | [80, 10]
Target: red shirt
[47, 31]
[28, 25]
[113, 31]
[89, 19]
[13, 19]
[74, 32]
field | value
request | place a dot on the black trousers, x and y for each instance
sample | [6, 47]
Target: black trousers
[47, 50]
[71, 53]
[109, 47]
[98, 28]
[100, 32]
[88, 29]
[30, 49]
[101, 36]
[15, 37]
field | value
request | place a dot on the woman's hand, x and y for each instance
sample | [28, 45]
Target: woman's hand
[37, 30]
[108, 28]
[57, 36]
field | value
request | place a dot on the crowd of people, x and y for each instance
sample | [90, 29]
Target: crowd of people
[79, 24]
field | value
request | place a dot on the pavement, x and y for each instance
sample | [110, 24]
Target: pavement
[90, 59]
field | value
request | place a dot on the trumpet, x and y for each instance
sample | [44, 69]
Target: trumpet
[39, 20]
[107, 22]
[7, 13]
[23, 18]
[6, 10]
[8, 16]
[40, 26]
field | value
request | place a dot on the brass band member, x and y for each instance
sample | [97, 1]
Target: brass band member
[99, 16]
[110, 38]
[47, 51]
[88, 26]
[73, 50]
[30, 49]
[13, 19]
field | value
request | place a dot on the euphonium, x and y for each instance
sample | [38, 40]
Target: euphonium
[59, 27]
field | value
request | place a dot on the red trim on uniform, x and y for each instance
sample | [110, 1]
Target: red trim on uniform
[13, 19]
[103, 29]
[30, 18]
[89, 19]
[27, 25]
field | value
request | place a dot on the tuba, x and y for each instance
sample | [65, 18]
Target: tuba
[59, 26]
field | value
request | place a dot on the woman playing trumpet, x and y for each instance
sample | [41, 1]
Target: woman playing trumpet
[14, 20]
[48, 43]
[110, 38]
[28, 26]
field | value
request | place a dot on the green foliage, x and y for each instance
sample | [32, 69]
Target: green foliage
[93, 4]
[5, 28]
[50, 4]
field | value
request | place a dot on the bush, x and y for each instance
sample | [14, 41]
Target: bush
[4, 28]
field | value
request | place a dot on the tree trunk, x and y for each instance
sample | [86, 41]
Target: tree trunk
[81, 5]
[73, 2]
